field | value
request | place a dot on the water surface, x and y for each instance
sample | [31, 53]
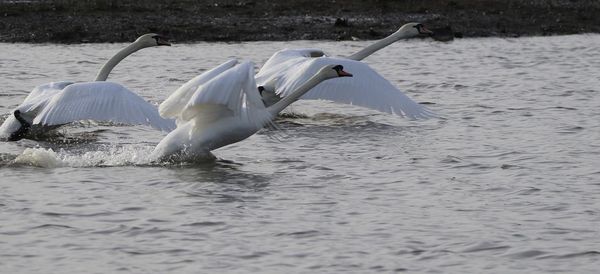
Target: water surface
[507, 181]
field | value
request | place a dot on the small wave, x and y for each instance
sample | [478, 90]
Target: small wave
[483, 106]
[253, 255]
[300, 234]
[205, 223]
[449, 159]
[485, 246]
[592, 253]
[570, 130]
[509, 166]
[86, 62]
[151, 252]
[562, 108]
[46, 226]
[526, 191]
[526, 254]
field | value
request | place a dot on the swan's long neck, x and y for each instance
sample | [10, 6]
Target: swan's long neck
[304, 88]
[364, 53]
[112, 62]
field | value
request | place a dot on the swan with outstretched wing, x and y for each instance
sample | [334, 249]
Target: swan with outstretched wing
[54, 104]
[223, 107]
[283, 71]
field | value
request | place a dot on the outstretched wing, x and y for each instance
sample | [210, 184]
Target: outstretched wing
[231, 93]
[366, 89]
[35, 101]
[101, 101]
[172, 106]
[285, 59]
[41, 95]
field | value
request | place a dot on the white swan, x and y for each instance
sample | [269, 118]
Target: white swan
[222, 106]
[54, 104]
[278, 77]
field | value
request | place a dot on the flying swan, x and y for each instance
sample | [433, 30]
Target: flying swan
[278, 78]
[54, 104]
[223, 106]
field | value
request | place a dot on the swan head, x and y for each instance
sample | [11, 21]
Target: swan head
[152, 40]
[333, 71]
[412, 30]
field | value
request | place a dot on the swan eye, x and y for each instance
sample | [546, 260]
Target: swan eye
[338, 68]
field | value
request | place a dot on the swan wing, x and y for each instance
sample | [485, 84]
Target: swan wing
[101, 101]
[366, 89]
[234, 89]
[41, 95]
[223, 89]
[37, 99]
[277, 60]
[172, 106]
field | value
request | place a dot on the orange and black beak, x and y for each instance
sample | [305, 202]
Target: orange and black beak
[162, 40]
[340, 71]
[423, 30]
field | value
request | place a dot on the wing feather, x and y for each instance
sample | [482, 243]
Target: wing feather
[41, 95]
[366, 89]
[234, 89]
[278, 59]
[101, 101]
[172, 106]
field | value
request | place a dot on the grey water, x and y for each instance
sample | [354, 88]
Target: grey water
[507, 180]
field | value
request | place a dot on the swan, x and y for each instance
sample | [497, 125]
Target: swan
[223, 106]
[51, 105]
[277, 78]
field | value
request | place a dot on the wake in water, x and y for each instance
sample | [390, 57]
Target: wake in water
[104, 156]
[82, 150]
[109, 155]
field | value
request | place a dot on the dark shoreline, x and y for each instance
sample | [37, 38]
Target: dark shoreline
[91, 21]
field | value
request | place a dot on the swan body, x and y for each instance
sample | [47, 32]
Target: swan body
[223, 107]
[279, 76]
[51, 105]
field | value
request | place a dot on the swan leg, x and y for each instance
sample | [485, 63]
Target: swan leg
[23, 130]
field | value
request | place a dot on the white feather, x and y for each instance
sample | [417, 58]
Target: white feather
[221, 111]
[277, 60]
[100, 101]
[33, 103]
[41, 95]
[235, 89]
[288, 69]
[173, 106]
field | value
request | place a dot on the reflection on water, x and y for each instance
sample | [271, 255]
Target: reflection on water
[505, 181]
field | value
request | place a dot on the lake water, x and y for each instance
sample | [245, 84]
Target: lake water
[507, 181]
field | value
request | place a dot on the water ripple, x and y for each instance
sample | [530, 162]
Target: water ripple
[506, 181]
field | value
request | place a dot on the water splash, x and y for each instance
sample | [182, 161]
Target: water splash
[108, 155]
[38, 157]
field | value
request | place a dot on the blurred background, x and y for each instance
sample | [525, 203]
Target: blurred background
[81, 21]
